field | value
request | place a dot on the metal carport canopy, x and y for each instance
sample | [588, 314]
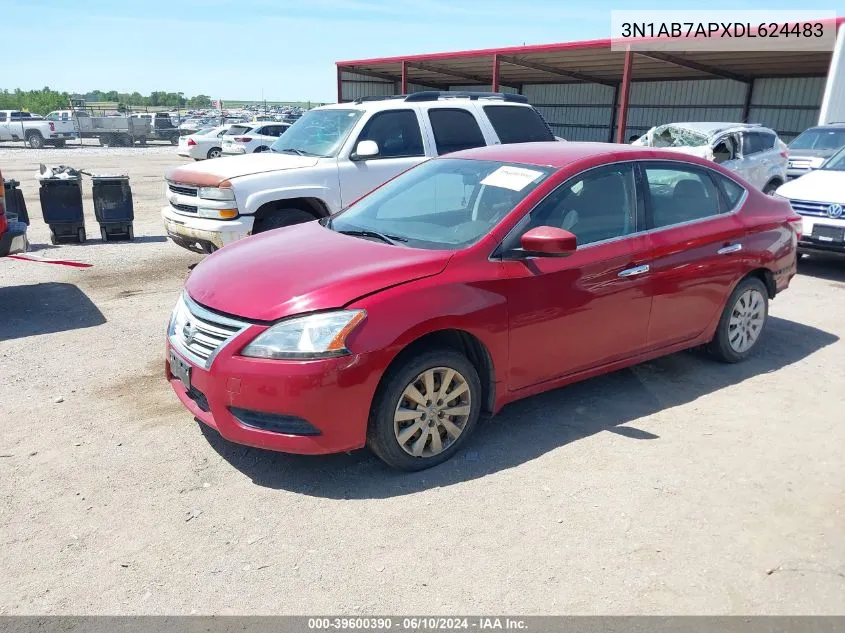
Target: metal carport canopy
[592, 61]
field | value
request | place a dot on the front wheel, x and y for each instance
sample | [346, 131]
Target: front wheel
[425, 410]
[742, 322]
[281, 217]
[214, 152]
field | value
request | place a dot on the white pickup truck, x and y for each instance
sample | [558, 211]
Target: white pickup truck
[33, 129]
[332, 156]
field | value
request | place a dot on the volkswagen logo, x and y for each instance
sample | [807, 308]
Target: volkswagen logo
[188, 332]
[835, 211]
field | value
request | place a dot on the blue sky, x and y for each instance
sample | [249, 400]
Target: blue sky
[237, 48]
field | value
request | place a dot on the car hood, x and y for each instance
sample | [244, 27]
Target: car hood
[812, 153]
[820, 185]
[302, 268]
[213, 172]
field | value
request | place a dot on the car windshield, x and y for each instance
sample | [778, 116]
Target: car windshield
[317, 133]
[819, 138]
[676, 136]
[446, 203]
[836, 162]
[207, 130]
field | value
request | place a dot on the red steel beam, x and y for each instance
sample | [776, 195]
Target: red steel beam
[496, 68]
[404, 90]
[624, 90]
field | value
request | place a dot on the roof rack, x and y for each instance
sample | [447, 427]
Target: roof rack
[434, 95]
[360, 100]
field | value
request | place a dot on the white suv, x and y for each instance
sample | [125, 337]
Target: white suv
[250, 138]
[752, 151]
[332, 156]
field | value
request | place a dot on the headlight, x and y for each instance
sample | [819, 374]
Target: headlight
[317, 335]
[214, 193]
[217, 214]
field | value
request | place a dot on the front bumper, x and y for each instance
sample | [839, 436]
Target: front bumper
[14, 239]
[810, 243]
[333, 396]
[199, 234]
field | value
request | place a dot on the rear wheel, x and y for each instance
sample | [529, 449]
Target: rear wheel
[742, 322]
[263, 148]
[106, 140]
[281, 217]
[80, 234]
[214, 152]
[131, 233]
[104, 234]
[35, 140]
[174, 140]
[59, 143]
[425, 410]
[771, 187]
[53, 239]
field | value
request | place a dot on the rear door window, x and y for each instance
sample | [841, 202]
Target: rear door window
[680, 194]
[238, 129]
[518, 124]
[454, 129]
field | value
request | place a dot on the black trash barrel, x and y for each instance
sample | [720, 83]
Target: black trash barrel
[61, 206]
[113, 207]
[15, 204]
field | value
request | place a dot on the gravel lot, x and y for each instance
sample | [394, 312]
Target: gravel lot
[681, 486]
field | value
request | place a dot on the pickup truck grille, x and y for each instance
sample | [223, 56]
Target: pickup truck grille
[184, 190]
[817, 209]
[183, 208]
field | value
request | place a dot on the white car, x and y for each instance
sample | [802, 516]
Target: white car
[819, 197]
[205, 143]
[752, 151]
[250, 138]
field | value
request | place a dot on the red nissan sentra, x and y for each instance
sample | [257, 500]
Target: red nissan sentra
[469, 282]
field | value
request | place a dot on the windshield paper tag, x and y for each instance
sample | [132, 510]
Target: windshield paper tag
[514, 178]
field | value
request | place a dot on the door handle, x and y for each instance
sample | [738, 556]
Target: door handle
[731, 248]
[633, 272]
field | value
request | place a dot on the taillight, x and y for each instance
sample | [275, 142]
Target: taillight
[191, 142]
[52, 127]
[243, 139]
[784, 153]
[797, 224]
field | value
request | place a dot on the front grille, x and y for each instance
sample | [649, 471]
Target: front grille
[183, 208]
[183, 190]
[803, 207]
[201, 333]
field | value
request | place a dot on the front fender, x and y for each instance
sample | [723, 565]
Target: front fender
[398, 316]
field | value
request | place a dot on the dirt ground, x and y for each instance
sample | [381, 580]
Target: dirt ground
[680, 486]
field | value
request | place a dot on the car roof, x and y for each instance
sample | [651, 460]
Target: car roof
[714, 127]
[559, 154]
[826, 126]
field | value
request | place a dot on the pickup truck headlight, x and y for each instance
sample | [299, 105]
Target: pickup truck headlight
[217, 214]
[215, 193]
[320, 335]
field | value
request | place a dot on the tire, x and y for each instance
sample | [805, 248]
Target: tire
[104, 234]
[107, 140]
[771, 187]
[125, 140]
[432, 437]
[35, 140]
[282, 217]
[53, 239]
[745, 315]
[142, 141]
[214, 152]
[130, 233]
[259, 150]
[80, 235]
[174, 140]
[59, 143]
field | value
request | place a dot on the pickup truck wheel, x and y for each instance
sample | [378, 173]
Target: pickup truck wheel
[281, 217]
[214, 152]
[174, 140]
[35, 140]
[59, 143]
[142, 141]
[53, 239]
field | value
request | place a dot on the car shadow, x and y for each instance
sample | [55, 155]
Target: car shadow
[827, 267]
[44, 309]
[532, 427]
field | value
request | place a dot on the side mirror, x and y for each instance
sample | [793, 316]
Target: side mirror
[548, 241]
[365, 150]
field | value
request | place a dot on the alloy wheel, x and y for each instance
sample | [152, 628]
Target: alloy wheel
[432, 412]
[747, 319]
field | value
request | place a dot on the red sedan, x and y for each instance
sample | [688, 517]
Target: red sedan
[469, 282]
